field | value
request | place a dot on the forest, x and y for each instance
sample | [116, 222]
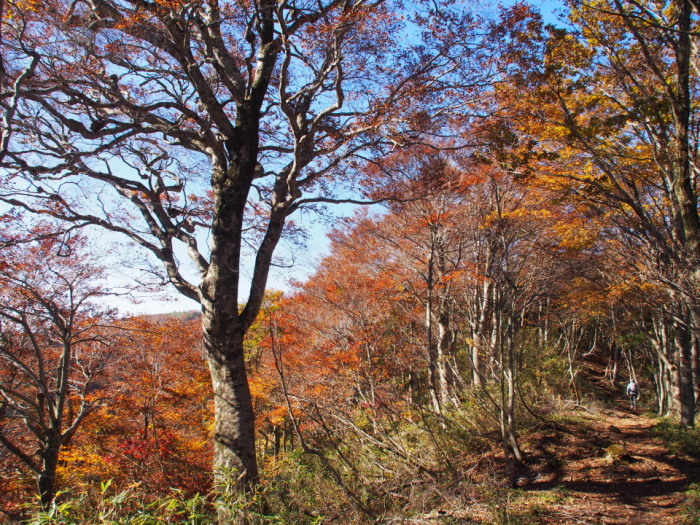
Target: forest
[523, 245]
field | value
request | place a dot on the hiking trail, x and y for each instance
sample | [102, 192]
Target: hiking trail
[610, 468]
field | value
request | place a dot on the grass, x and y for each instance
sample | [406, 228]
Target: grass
[691, 505]
[518, 507]
[679, 440]
[125, 507]
[684, 441]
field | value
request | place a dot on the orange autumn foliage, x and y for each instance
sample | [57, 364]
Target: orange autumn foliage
[155, 429]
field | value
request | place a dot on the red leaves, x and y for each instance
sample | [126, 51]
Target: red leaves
[142, 449]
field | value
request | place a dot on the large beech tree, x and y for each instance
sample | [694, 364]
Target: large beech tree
[164, 119]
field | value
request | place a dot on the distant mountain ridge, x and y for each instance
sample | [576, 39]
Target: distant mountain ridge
[189, 315]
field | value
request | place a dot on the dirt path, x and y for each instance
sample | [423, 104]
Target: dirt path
[607, 467]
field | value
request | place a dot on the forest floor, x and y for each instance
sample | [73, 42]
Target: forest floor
[595, 466]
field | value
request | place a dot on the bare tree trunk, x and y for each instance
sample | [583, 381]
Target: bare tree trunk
[611, 370]
[659, 385]
[511, 448]
[480, 347]
[432, 346]
[224, 326]
[543, 324]
[511, 382]
[46, 479]
[662, 346]
[572, 339]
[686, 386]
[695, 353]
[695, 359]
[433, 373]
[445, 351]
[667, 407]
[235, 465]
[511, 373]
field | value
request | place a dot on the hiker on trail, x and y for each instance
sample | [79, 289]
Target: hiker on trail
[632, 393]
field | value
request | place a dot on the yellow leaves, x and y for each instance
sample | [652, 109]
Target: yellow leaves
[36, 6]
[259, 388]
[25, 9]
[172, 4]
[84, 462]
[577, 233]
[278, 416]
[527, 213]
[565, 51]
[633, 286]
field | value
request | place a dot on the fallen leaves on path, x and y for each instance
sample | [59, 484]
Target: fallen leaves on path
[609, 467]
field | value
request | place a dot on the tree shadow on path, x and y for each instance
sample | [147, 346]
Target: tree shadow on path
[613, 468]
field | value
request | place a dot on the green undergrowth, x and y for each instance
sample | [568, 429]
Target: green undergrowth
[128, 506]
[691, 505]
[679, 440]
[683, 441]
[504, 506]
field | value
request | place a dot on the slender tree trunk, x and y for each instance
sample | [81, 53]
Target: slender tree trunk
[695, 360]
[658, 383]
[662, 346]
[543, 324]
[511, 380]
[512, 452]
[433, 371]
[432, 345]
[695, 347]
[277, 432]
[613, 363]
[503, 423]
[445, 351]
[665, 402]
[480, 347]
[494, 343]
[511, 377]
[686, 386]
[573, 337]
